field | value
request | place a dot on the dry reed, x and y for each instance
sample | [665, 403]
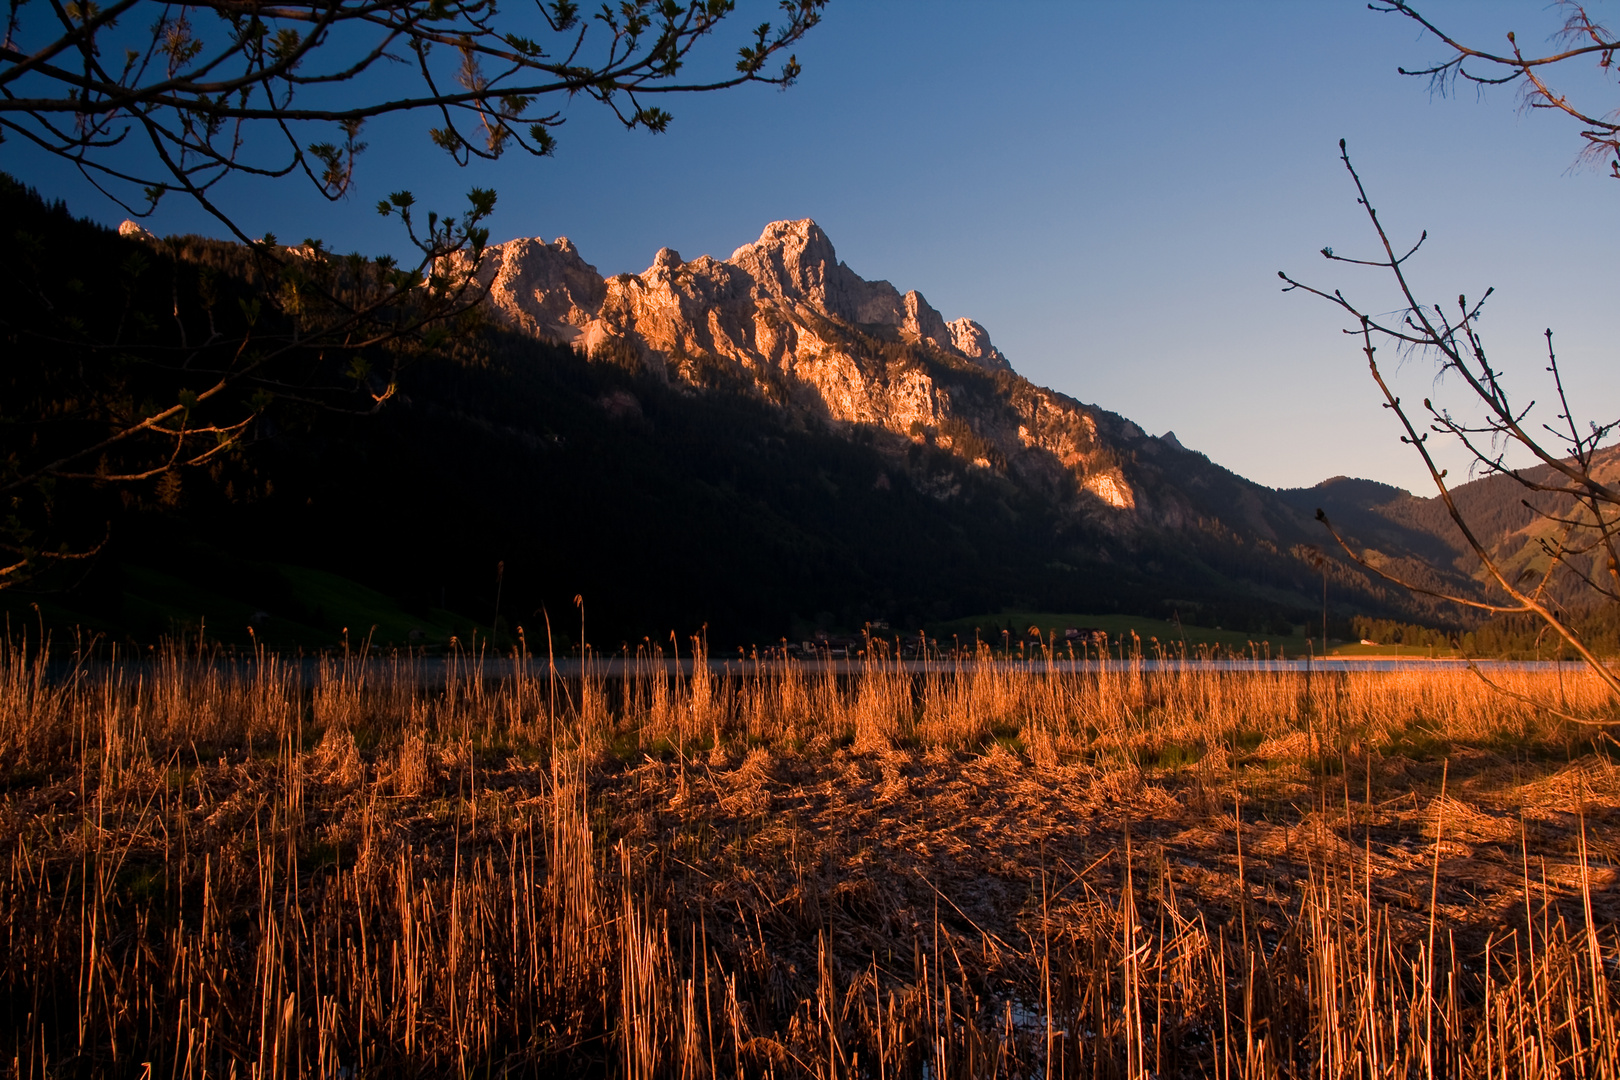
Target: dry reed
[334, 869]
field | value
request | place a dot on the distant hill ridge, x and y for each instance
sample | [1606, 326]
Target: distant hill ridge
[1395, 524]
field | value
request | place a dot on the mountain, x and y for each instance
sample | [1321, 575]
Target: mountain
[769, 444]
[783, 319]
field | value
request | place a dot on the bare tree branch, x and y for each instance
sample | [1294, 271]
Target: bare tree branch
[1459, 350]
[1584, 37]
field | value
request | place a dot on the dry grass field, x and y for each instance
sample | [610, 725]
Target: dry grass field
[350, 870]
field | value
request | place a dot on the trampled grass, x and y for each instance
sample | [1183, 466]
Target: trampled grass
[387, 868]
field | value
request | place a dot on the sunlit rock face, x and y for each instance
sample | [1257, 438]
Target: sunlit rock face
[545, 290]
[973, 342]
[784, 316]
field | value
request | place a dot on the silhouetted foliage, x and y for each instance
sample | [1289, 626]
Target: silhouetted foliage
[146, 98]
[142, 364]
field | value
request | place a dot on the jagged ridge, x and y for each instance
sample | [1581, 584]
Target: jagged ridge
[784, 314]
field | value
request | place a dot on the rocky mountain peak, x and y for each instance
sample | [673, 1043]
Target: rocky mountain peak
[545, 290]
[791, 260]
[134, 230]
[973, 342]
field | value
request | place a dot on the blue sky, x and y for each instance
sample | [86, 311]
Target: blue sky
[1109, 188]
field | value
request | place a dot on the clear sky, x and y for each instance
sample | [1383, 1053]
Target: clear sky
[1109, 188]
